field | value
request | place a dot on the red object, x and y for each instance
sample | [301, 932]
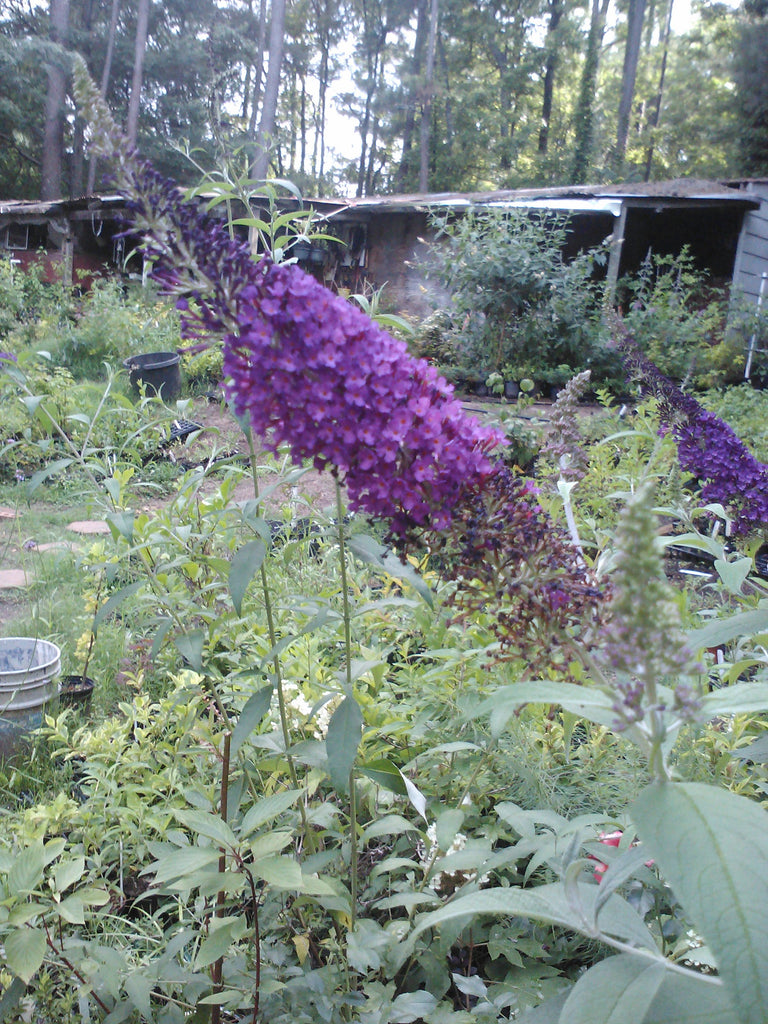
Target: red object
[609, 839]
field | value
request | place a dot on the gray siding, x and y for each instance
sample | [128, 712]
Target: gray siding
[752, 253]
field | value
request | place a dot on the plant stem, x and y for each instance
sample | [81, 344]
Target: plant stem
[272, 633]
[216, 970]
[353, 852]
[344, 587]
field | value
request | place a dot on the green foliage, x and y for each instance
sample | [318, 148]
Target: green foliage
[680, 323]
[519, 303]
[112, 324]
[202, 371]
[411, 832]
[746, 410]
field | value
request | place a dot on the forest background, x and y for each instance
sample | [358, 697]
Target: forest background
[382, 96]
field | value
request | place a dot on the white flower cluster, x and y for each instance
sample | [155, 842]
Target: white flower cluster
[300, 709]
[446, 882]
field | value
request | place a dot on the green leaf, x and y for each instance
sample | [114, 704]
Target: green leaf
[184, 862]
[385, 774]
[370, 550]
[43, 474]
[68, 872]
[584, 701]
[733, 574]
[618, 990]
[121, 525]
[737, 699]
[447, 825]
[712, 847]
[71, 909]
[252, 714]
[223, 932]
[190, 647]
[246, 562]
[27, 871]
[412, 1006]
[723, 631]
[281, 872]
[9, 999]
[550, 904]
[691, 998]
[345, 730]
[25, 952]
[139, 988]
[545, 1013]
[268, 809]
[114, 602]
[208, 824]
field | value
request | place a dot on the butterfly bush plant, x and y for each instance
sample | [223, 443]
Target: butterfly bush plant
[310, 373]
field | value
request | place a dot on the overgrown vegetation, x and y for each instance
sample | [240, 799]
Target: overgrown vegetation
[311, 790]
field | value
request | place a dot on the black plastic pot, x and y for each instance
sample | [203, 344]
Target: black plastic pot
[75, 691]
[159, 371]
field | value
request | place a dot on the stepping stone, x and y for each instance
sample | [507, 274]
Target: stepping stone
[8, 513]
[89, 526]
[56, 545]
[10, 579]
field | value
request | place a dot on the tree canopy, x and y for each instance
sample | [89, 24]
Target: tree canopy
[372, 96]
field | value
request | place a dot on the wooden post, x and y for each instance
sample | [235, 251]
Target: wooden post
[614, 257]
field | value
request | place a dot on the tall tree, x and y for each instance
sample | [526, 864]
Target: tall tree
[585, 106]
[426, 110]
[140, 49]
[266, 131]
[556, 8]
[53, 125]
[628, 79]
[106, 71]
[410, 77]
[657, 101]
[751, 74]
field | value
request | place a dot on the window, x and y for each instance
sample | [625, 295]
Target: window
[16, 236]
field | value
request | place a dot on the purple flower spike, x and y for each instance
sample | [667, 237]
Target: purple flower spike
[312, 371]
[707, 447]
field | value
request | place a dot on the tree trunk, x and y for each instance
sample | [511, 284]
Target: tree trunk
[140, 49]
[426, 110]
[105, 73]
[628, 77]
[403, 179]
[260, 165]
[258, 71]
[585, 107]
[53, 126]
[656, 116]
[555, 14]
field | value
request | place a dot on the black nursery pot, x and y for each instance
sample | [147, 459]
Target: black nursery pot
[76, 691]
[159, 371]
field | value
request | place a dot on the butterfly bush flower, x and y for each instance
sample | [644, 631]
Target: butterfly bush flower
[564, 443]
[311, 371]
[707, 447]
[642, 644]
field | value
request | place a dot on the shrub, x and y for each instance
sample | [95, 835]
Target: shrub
[680, 324]
[517, 300]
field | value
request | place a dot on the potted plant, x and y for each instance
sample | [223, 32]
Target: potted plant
[77, 688]
[556, 377]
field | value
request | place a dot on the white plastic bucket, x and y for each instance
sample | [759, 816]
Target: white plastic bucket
[28, 671]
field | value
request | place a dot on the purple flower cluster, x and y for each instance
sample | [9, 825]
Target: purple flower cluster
[512, 560]
[312, 371]
[707, 447]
